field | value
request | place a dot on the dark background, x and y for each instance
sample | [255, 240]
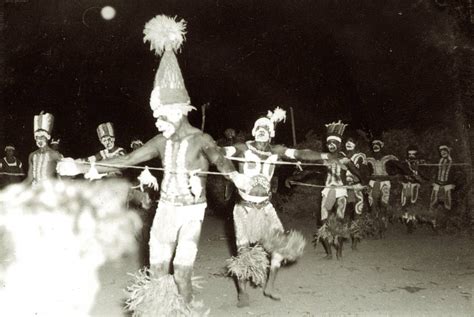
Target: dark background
[375, 64]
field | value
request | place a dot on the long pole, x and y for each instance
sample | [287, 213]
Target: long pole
[203, 115]
[293, 126]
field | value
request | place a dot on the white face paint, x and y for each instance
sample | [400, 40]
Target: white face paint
[165, 127]
[444, 153]
[350, 146]
[167, 120]
[262, 134]
[41, 141]
[332, 146]
[108, 142]
[412, 154]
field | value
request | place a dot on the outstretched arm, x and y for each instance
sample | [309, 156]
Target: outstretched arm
[304, 154]
[145, 153]
[216, 156]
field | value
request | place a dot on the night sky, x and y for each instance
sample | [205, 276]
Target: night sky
[374, 64]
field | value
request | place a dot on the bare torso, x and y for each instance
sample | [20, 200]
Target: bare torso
[43, 164]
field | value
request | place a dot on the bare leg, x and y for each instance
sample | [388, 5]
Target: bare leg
[182, 277]
[269, 289]
[186, 251]
[242, 296]
[327, 248]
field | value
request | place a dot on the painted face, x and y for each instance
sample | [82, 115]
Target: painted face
[167, 121]
[444, 153]
[262, 133]
[108, 142]
[41, 141]
[376, 147]
[412, 154]
[350, 146]
[10, 152]
[333, 145]
[229, 133]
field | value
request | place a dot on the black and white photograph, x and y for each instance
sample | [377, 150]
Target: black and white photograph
[236, 158]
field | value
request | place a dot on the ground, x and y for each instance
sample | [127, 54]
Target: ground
[417, 274]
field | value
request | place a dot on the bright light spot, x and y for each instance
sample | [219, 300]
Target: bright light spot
[108, 13]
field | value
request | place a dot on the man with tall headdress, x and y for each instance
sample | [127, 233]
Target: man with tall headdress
[255, 218]
[379, 183]
[106, 135]
[334, 196]
[11, 168]
[42, 162]
[186, 153]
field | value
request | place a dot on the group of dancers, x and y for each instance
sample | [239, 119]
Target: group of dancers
[353, 179]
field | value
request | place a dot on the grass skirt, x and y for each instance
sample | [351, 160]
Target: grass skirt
[250, 265]
[331, 231]
[290, 245]
[150, 296]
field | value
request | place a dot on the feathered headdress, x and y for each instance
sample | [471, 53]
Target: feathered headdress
[166, 36]
[270, 120]
[335, 130]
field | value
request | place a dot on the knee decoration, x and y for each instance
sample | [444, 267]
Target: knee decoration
[185, 253]
[160, 253]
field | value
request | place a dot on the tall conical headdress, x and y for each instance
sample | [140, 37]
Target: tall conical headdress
[270, 120]
[105, 129]
[43, 124]
[335, 130]
[166, 35]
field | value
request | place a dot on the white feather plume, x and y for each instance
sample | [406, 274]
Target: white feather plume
[147, 179]
[277, 115]
[164, 32]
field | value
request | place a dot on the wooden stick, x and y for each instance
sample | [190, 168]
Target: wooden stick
[293, 126]
[203, 115]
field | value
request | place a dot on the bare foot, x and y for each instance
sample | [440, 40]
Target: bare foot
[272, 294]
[328, 257]
[243, 300]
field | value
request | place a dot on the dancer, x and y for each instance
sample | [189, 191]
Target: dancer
[357, 199]
[255, 218]
[379, 183]
[186, 153]
[444, 184]
[334, 195]
[411, 183]
[42, 162]
[106, 135]
[11, 168]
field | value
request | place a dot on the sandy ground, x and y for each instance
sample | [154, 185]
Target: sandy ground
[421, 274]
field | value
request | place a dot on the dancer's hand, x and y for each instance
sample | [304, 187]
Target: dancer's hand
[68, 167]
